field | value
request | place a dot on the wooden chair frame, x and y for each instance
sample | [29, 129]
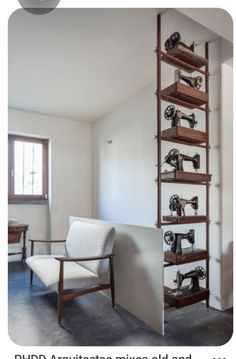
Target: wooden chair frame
[63, 295]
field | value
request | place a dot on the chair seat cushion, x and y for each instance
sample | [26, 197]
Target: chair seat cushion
[46, 267]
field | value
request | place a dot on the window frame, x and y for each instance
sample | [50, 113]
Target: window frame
[14, 198]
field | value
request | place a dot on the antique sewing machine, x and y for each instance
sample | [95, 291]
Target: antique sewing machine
[175, 159]
[194, 82]
[174, 240]
[174, 40]
[175, 115]
[196, 274]
[178, 204]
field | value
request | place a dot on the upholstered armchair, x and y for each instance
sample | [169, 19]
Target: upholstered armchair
[85, 267]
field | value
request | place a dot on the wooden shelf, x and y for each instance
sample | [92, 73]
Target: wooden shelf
[187, 298]
[184, 135]
[188, 255]
[174, 61]
[185, 177]
[190, 60]
[192, 97]
[183, 219]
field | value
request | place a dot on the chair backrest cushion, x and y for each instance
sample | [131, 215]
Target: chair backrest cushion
[90, 239]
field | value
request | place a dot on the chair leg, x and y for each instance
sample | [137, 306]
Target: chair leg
[113, 295]
[31, 277]
[59, 308]
[112, 282]
[60, 293]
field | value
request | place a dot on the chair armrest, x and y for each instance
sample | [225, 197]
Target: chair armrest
[62, 260]
[83, 259]
[46, 240]
[43, 241]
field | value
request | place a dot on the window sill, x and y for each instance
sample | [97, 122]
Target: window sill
[33, 201]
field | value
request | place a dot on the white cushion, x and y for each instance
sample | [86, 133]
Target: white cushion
[46, 267]
[89, 239]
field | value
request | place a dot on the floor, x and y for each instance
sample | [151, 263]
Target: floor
[91, 321]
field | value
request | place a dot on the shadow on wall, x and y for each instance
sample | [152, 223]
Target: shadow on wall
[227, 278]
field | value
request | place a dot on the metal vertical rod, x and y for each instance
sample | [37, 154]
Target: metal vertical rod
[207, 169]
[158, 52]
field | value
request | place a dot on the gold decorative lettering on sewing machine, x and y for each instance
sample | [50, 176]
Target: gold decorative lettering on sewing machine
[175, 115]
[177, 204]
[196, 274]
[175, 159]
[194, 82]
[174, 240]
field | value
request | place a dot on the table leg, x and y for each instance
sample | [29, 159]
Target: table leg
[24, 249]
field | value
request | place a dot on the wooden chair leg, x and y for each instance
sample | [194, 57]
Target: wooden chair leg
[31, 277]
[60, 293]
[112, 282]
[59, 308]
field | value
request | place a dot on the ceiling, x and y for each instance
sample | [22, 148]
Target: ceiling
[211, 18]
[82, 63]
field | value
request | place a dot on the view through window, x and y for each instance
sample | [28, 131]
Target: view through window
[28, 164]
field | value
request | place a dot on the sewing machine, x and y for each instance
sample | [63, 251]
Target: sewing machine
[175, 240]
[174, 40]
[194, 82]
[178, 204]
[175, 159]
[175, 115]
[196, 274]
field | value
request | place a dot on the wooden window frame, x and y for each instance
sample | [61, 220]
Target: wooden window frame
[12, 197]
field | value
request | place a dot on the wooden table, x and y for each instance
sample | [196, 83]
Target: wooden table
[15, 232]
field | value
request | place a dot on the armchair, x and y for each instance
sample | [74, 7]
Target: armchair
[86, 267]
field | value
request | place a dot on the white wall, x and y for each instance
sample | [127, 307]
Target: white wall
[124, 170]
[70, 173]
[227, 185]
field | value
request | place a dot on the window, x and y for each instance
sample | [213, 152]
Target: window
[28, 168]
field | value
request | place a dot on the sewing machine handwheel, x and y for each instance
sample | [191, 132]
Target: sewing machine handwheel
[201, 271]
[172, 41]
[175, 38]
[174, 201]
[173, 152]
[168, 44]
[198, 82]
[169, 112]
[172, 157]
[169, 237]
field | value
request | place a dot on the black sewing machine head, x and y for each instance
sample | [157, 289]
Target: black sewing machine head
[175, 159]
[175, 240]
[195, 82]
[174, 40]
[178, 204]
[175, 115]
[196, 274]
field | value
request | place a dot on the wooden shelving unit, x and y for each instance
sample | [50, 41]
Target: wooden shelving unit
[183, 58]
[192, 97]
[184, 219]
[188, 255]
[187, 298]
[185, 177]
[185, 136]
